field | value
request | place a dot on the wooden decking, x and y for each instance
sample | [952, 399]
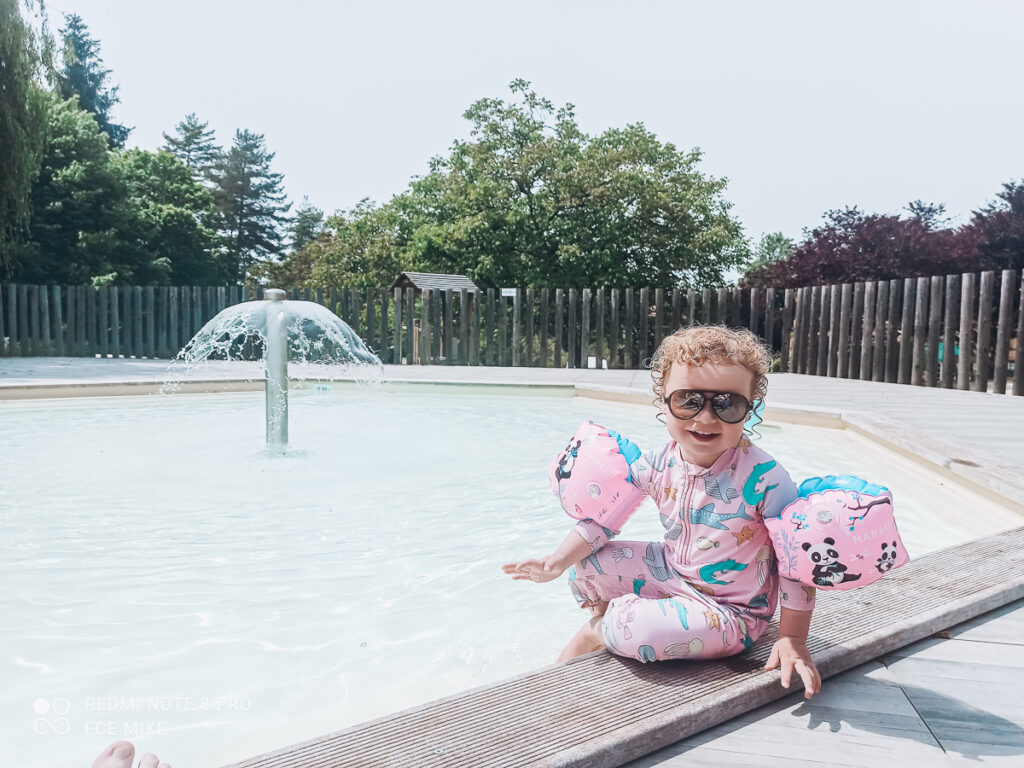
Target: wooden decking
[952, 699]
[603, 711]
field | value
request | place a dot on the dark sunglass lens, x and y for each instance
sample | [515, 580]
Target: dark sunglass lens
[730, 408]
[686, 403]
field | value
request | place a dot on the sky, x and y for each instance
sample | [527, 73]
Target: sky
[802, 106]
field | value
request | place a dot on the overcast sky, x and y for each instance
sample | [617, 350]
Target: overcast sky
[803, 106]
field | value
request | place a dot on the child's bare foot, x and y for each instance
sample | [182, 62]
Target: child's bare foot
[120, 754]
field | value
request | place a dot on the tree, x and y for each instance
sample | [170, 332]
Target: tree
[360, 248]
[773, 247]
[194, 145]
[852, 246]
[530, 199]
[996, 231]
[167, 224]
[83, 77]
[21, 128]
[307, 224]
[75, 201]
[251, 203]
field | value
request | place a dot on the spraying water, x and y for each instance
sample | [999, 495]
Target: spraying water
[318, 344]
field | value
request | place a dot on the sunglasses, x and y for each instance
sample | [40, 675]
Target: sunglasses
[685, 404]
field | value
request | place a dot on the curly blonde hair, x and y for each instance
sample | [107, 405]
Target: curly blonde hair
[700, 344]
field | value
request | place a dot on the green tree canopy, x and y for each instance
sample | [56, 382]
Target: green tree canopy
[530, 199]
[83, 77]
[251, 202]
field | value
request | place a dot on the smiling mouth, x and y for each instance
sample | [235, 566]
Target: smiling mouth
[703, 437]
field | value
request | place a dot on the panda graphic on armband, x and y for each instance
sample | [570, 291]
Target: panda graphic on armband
[828, 571]
[568, 460]
[888, 558]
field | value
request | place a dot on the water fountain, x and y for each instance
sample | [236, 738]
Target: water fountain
[277, 331]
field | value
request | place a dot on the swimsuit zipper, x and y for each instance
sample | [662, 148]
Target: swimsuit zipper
[684, 517]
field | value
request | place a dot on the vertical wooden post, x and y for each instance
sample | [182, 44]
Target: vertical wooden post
[906, 339]
[867, 329]
[72, 314]
[814, 338]
[1007, 291]
[91, 338]
[755, 310]
[427, 313]
[571, 344]
[769, 318]
[734, 298]
[644, 327]
[477, 316]
[501, 308]
[13, 348]
[1018, 361]
[920, 332]
[24, 332]
[115, 321]
[931, 369]
[677, 309]
[613, 322]
[435, 332]
[949, 345]
[449, 327]
[410, 325]
[138, 340]
[150, 317]
[892, 330]
[58, 323]
[491, 351]
[824, 329]
[559, 307]
[530, 310]
[371, 320]
[37, 320]
[984, 341]
[627, 322]
[464, 345]
[659, 317]
[396, 327]
[585, 329]
[799, 345]
[786, 360]
[384, 323]
[722, 308]
[856, 315]
[545, 319]
[691, 306]
[517, 323]
[705, 306]
[839, 337]
[599, 310]
[966, 359]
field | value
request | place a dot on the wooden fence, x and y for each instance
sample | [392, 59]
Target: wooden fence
[954, 331]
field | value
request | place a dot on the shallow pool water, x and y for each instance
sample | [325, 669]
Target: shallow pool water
[166, 579]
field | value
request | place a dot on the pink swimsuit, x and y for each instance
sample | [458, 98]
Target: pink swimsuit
[709, 589]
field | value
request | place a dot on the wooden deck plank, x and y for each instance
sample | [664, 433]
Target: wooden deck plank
[584, 713]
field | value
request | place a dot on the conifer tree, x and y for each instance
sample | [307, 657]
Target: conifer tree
[251, 202]
[83, 77]
[194, 145]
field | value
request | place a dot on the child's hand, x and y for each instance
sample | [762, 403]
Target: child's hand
[792, 654]
[539, 571]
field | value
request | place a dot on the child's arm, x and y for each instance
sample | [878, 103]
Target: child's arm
[571, 551]
[790, 651]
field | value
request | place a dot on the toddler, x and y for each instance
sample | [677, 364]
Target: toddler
[710, 588]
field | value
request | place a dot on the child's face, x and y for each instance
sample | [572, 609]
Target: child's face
[711, 377]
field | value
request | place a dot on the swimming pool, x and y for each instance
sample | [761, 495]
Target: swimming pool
[170, 581]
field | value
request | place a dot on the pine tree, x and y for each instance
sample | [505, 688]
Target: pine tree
[251, 201]
[83, 77]
[193, 145]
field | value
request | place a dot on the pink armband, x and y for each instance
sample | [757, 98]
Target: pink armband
[591, 477]
[840, 534]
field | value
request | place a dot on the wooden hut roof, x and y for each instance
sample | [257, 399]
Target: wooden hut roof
[423, 280]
